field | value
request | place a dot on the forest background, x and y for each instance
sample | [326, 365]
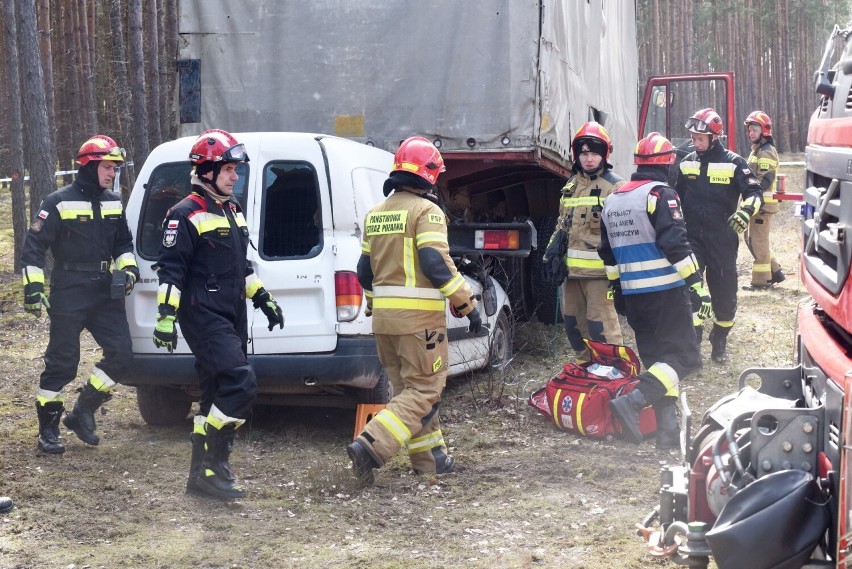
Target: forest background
[72, 68]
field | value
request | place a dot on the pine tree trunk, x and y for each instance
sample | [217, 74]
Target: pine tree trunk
[152, 72]
[137, 83]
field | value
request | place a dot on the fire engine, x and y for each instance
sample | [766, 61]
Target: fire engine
[766, 473]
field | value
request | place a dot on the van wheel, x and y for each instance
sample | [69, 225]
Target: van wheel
[162, 406]
[501, 342]
[546, 296]
[380, 394]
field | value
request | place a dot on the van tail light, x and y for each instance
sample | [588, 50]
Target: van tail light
[348, 295]
[497, 239]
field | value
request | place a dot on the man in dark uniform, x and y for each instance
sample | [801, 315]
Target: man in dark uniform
[204, 281]
[653, 274]
[719, 195]
[85, 228]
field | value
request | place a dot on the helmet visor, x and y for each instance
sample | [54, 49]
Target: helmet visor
[235, 153]
[116, 154]
[697, 125]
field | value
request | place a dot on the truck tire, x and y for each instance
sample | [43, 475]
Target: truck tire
[380, 394]
[502, 347]
[162, 406]
[546, 297]
[514, 276]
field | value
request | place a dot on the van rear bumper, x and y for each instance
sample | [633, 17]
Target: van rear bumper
[355, 363]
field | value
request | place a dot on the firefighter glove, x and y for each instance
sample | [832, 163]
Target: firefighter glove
[34, 298]
[701, 301]
[739, 220]
[263, 300]
[475, 321]
[165, 332]
[554, 270]
[614, 294]
[130, 279]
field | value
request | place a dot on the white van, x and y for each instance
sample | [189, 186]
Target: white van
[304, 197]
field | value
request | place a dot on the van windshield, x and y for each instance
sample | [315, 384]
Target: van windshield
[167, 185]
[291, 223]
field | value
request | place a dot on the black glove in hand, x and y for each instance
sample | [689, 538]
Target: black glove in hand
[474, 321]
[701, 302]
[553, 269]
[129, 282]
[34, 298]
[165, 332]
[263, 300]
[614, 293]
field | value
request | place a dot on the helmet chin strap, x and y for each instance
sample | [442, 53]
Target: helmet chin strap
[217, 193]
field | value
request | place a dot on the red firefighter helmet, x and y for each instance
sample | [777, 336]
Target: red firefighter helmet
[762, 119]
[654, 149]
[705, 121]
[100, 147]
[420, 157]
[596, 138]
[216, 145]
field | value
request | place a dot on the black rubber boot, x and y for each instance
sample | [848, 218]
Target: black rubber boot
[778, 276]
[718, 341]
[49, 414]
[197, 440]
[626, 409]
[363, 462]
[6, 504]
[668, 430]
[81, 419]
[445, 463]
[214, 475]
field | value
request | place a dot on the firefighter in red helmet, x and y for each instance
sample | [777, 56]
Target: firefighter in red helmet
[571, 258]
[719, 194]
[655, 282]
[408, 277]
[763, 161]
[205, 279]
[85, 228]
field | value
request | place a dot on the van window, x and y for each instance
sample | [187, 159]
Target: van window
[291, 223]
[167, 185]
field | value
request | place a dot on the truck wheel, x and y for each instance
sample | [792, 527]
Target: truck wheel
[162, 406]
[546, 296]
[501, 342]
[380, 394]
[513, 275]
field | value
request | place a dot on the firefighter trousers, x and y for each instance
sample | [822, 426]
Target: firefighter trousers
[716, 252]
[588, 313]
[757, 239]
[105, 320]
[417, 366]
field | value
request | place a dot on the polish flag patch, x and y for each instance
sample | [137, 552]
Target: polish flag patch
[173, 223]
[43, 214]
[672, 203]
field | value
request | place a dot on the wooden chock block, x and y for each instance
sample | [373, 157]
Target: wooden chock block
[363, 413]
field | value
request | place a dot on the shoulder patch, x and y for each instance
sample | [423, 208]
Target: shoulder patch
[173, 224]
[169, 237]
[43, 214]
[36, 225]
[436, 218]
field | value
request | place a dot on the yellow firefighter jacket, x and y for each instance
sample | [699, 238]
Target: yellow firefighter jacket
[580, 216]
[763, 162]
[403, 299]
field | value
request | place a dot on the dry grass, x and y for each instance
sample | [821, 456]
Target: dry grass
[525, 494]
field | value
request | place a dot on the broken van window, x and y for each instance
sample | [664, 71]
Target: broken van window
[291, 223]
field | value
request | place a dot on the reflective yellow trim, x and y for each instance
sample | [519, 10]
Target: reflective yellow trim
[368, 293]
[721, 172]
[217, 419]
[365, 247]
[410, 304]
[111, 208]
[652, 203]
[426, 443]
[394, 426]
[408, 251]
[100, 380]
[766, 164]
[168, 294]
[73, 210]
[44, 396]
[125, 260]
[32, 274]
[588, 201]
[253, 284]
[687, 266]
[762, 267]
[612, 273]
[198, 423]
[205, 222]
[239, 219]
[452, 286]
[430, 237]
[724, 323]
[667, 376]
[690, 168]
[407, 292]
